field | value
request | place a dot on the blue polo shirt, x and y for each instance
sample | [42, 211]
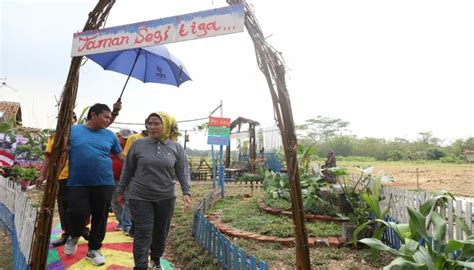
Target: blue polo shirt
[89, 160]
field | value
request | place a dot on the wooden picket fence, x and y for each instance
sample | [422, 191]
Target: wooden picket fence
[18, 217]
[399, 200]
[228, 255]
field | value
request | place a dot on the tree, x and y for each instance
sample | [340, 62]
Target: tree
[428, 139]
[342, 145]
[434, 153]
[321, 129]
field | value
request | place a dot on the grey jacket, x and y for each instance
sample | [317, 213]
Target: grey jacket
[152, 168]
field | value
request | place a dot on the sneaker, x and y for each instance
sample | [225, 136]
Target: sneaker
[61, 241]
[95, 257]
[71, 245]
[153, 266]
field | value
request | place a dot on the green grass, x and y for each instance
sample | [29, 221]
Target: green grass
[278, 203]
[184, 247]
[244, 214]
[281, 257]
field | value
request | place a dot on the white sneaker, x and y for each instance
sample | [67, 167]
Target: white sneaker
[95, 257]
[71, 245]
[153, 266]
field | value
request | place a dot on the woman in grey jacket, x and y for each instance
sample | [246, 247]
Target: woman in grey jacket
[148, 180]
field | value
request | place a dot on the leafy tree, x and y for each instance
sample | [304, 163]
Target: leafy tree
[434, 153]
[9, 130]
[370, 147]
[321, 129]
[396, 154]
[341, 145]
[427, 138]
[33, 149]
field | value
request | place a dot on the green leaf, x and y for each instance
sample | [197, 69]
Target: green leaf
[373, 203]
[282, 182]
[378, 233]
[439, 262]
[422, 256]
[417, 223]
[460, 222]
[454, 245]
[410, 247]
[359, 229]
[401, 263]
[403, 231]
[439, 230]
[439, 199]
[467, 253]
[338, 171]
[469, 265]
[377, 244]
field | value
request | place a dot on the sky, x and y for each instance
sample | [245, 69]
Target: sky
[391, 69]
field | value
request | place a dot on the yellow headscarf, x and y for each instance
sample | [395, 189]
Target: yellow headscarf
[170, 126]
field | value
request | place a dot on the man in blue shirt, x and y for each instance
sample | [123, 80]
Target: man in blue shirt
[91, 182]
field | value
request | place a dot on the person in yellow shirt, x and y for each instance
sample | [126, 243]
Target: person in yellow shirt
[132, 139]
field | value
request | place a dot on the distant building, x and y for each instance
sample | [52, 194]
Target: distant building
[469, 154]
[9, 110]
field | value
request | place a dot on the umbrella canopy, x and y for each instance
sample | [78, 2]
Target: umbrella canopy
[151, 64]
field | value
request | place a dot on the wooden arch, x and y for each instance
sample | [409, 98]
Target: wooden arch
[272, 65]
[237, 123]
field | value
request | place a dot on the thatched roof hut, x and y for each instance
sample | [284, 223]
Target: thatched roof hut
[9, 110]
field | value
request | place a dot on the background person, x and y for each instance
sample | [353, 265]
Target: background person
[152, 166]
[62, 194]
[121, 211]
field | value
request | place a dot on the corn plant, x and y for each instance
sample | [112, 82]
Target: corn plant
[421, 251]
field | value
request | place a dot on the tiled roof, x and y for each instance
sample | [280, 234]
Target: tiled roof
[10, 110]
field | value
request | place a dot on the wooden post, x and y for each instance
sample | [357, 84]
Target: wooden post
[272, 65]
[59, 152]
[417, 181]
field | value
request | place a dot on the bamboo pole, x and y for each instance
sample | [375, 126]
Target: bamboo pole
[59, 152]
[272, 66]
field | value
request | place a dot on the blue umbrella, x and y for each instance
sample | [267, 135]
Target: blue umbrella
[151, 64]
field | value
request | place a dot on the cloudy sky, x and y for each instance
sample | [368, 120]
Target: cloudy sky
[390, 68]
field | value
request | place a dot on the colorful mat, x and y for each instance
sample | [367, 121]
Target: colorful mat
[116, 248]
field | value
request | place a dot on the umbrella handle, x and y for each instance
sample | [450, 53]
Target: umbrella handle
[129, 74]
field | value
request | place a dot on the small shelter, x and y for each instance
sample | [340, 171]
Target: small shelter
[469, 154]
[252, 145]
[9, 110]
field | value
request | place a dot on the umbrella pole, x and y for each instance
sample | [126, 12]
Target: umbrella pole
[119, 100]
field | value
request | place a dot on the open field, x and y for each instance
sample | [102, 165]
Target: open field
[456, 178]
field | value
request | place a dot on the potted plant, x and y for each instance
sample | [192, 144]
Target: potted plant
[24, 175]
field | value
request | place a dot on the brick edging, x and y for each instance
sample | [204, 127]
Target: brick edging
[310, 217]
[286, 241]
